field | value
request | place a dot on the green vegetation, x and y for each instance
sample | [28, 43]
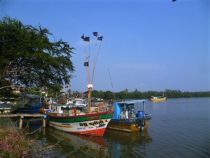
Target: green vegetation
[16, 143]
[29, 57]
[140, 95]
[12, 142]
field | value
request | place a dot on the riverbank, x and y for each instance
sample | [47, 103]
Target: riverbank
[23, 143]
[13, 142]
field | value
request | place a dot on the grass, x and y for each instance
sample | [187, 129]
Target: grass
[13, 142]
[16, 143]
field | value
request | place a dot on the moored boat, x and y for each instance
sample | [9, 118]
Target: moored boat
[158, 99]
[29, 103]
[126, 118]
[91, 121]
[84, 123]
[71, 118]
[76, 119]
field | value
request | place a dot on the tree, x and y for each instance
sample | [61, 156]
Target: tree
[30, 59]
[108, 95]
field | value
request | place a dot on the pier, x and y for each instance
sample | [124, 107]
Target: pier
[22, 116]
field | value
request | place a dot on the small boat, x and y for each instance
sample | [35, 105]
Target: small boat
[147, 116]
[5, 108]
[29, 103]
[158, 99]
[126, 119]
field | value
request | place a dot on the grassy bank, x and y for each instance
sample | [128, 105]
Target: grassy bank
[13, 142]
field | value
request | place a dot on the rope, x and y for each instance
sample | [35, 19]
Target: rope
[96, 58]
[34, 131]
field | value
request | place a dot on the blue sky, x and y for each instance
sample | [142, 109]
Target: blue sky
[148, 44]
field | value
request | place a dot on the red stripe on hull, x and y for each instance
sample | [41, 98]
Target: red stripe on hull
[96, 132]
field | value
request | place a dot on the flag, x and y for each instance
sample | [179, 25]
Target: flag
[82, 37]
[86, 63]
[95, 34]
[100, 38]
[86, 39]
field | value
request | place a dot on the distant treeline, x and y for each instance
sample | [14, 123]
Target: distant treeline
[140, 95]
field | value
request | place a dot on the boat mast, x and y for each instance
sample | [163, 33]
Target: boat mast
[86, 64]
[90, 87]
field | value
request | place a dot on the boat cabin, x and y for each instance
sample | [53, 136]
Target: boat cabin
[77, 102]
[129, 116]
[66, 110]
[127, 109]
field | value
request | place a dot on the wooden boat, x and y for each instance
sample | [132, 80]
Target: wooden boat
[92, 121]
[5, 108]
[79, 120]
[29, 103]
[74, 121]
[158, 99]
[126, 119]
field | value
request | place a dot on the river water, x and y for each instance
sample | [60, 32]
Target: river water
[179, 128]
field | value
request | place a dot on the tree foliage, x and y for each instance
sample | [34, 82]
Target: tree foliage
[29, 58]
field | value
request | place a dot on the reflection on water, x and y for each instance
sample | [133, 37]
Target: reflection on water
[79, 146]
[122, 144]
[113, 144]
[125, 137]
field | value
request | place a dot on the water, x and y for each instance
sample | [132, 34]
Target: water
[178, 128]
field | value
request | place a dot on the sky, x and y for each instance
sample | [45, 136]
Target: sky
[147, 44]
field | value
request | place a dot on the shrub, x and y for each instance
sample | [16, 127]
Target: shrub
[13, 142]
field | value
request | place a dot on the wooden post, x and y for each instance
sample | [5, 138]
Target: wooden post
[44, 123]
[21, 121]
[44, 131]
